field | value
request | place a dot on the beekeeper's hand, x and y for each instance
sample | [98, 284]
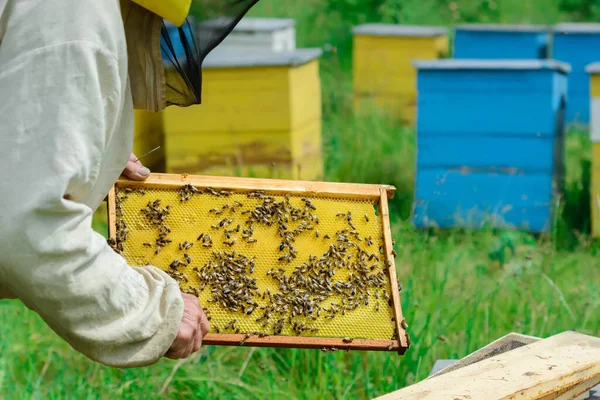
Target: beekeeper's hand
[194, 326]
[135, 170]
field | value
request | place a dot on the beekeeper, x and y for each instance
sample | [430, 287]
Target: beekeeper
[71, 72]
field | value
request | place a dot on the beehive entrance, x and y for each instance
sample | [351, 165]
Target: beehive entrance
[289, 268]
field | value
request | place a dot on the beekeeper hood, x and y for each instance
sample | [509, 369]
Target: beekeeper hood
[165, 53]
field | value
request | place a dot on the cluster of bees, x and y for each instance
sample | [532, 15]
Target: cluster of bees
[305, 293]
[121, 231]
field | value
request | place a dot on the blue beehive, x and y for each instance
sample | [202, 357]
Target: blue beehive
[578, 45]
[490, 142]
[491, 41]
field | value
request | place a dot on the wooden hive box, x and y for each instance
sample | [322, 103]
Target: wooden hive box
[260, 117]
[578, 45]
[495, 41]
[594, 75]
[383, 75]
[276, 34]
[490, 143]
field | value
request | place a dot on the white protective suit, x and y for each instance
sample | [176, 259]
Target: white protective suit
[66, 132]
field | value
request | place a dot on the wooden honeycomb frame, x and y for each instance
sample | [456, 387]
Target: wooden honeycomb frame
[378, 194]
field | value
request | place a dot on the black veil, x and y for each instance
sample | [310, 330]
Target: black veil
[185, 48]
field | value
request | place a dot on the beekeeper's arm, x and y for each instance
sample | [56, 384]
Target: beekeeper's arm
[59, 101]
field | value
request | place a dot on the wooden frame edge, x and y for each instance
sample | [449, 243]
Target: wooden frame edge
[299, 342]
[331, 189]
[111, 215]
[389, 256]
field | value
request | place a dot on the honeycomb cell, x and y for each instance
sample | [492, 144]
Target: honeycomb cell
[282, 265]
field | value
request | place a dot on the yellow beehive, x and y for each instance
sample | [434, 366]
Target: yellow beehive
[594, 71]
[273, 262]
[260, 116]
[148, 134]
[383, 74]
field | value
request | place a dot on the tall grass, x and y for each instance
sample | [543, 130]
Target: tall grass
[462, 289]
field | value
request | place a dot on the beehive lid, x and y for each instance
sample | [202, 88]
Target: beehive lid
[502, 27]
[593, 68]
[399, 30]
[493, 64]
[254, 24]
[574, 27]
[225, 58]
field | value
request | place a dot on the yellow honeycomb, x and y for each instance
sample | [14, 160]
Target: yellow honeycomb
[368, 314]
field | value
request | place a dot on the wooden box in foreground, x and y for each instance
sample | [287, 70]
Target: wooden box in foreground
[564, 366]
[274, 263]
[260, 116]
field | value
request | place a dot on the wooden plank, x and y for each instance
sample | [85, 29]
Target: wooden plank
[577, 392]
[529, 372]
[111, 216]
[308, 188]
[221, 339]
[388, 249]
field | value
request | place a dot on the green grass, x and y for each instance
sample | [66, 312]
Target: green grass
[462, 289]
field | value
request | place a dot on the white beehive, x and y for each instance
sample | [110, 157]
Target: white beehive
[275, 34]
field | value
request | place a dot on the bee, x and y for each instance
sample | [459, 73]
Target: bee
[147, 244]
[188, 259]
[390, 346]
[316, 232]
[347, 340]
[251, 240]
[246, 336]
[201, 236]
[157, 250]
[231, 242]
[326, 236]
[403, 324]
[349, 216]
[366, 218]
[217, 328]
[376, 306]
